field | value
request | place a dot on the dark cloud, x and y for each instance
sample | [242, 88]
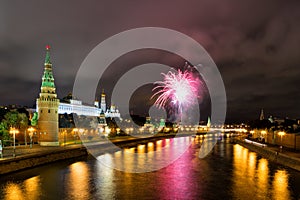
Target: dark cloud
[254, 43]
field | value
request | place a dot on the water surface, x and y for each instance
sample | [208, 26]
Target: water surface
[229, 172]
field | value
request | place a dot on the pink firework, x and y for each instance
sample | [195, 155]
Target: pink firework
[180, 88]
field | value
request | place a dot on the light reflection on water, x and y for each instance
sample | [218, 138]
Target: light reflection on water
[29, 189]
[280, 185]
[252, 177]
[262, 175]
[140, 160]
[13, 191]
[104, 177]
[229, 172]
[77, 181]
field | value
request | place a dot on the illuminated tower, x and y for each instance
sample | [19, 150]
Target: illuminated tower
[103, 103]
[112, 108]
[96, 103]
[262, 116]
[208, 123]
[47, 106]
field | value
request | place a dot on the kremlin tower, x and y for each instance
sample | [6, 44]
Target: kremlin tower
[47, 106]
[103, 102]
[262, 116]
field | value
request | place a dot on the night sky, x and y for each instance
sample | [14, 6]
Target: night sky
[255, 44]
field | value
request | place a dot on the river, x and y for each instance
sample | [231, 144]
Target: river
[230, 171]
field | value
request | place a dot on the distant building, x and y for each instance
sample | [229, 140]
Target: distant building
[77, 107]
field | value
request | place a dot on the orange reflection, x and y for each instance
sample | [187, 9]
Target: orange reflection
[130, 150]
[32, 188]
[78, 181]
[280, 186]
[248, 175]
[251, 166]
[239, 170]
[141, 158]
[13, 191]
[263, 175]
[141, 148]
[150, 147]
[244, 171]
[118, 154]
[150, 151]
[167, 142]
[128, 159]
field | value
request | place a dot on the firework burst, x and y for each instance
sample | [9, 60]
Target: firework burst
[180, 88]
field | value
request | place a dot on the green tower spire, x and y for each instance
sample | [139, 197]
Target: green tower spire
[48, 86]
[47, 59]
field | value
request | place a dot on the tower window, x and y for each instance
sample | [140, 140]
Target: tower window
[49, 111]
[41, 110]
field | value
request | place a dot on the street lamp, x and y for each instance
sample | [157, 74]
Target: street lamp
[65, 134]
[263, 133]
[81, 132]
[31, 130]
[75, 130]
[281, 133]
[107, 131]
[14, 131]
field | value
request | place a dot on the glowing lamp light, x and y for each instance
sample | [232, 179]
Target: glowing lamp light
[101, 129]
[281, 133]
[107, 130]
[263, 132]
[31, 130]
[14, 131]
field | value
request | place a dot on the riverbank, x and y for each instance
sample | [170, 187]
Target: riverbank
[285, 158]
[37, 156]
[40, 158]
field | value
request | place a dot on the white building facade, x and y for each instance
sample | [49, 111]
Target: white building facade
[76, 106]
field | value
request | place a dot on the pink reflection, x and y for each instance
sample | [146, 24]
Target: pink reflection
[175, 180]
